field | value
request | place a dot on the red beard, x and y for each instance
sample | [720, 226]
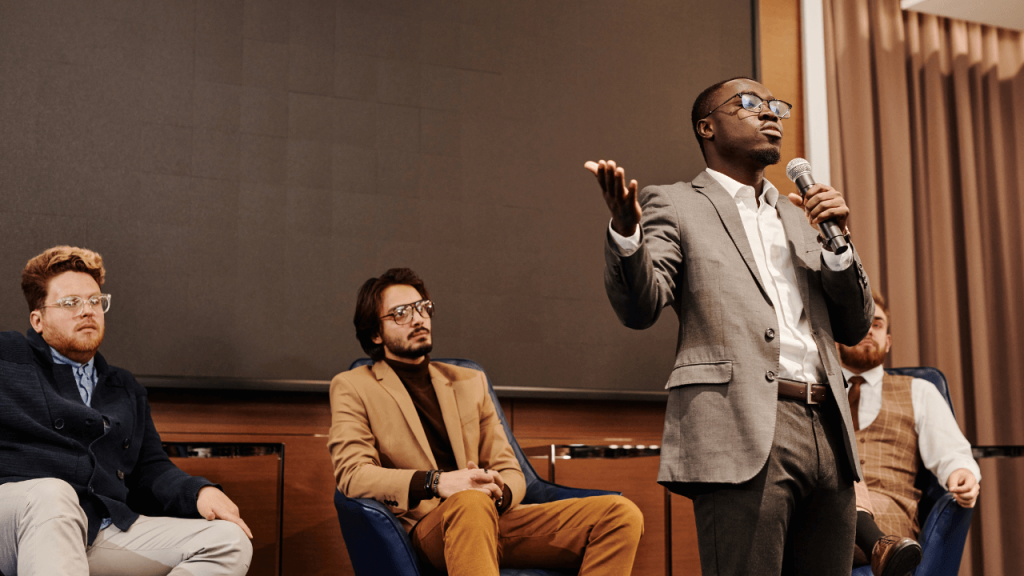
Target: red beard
[77, 345]
[863, 356]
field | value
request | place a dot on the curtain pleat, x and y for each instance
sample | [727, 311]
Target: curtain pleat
[927, 142]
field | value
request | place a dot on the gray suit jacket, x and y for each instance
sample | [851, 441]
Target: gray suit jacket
[695, 256]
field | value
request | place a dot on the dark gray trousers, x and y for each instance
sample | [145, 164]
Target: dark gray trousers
[796, 517]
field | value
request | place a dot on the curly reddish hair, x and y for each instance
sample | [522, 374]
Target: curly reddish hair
[368, 303]
[35, 278]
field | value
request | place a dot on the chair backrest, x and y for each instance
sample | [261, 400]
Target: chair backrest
[926, 482]
[536, 490]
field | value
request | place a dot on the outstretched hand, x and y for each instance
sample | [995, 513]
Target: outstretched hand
[620, 197]
[964, 487]
[214, 504]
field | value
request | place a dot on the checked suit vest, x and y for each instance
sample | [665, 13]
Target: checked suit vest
[890, 460]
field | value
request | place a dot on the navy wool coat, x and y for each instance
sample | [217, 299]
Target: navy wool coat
[109, 453]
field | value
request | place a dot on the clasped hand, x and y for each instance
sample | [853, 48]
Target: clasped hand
[471, 478]
[964, 487]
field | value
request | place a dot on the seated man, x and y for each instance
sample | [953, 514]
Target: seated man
[76, 439]
[424, 439]
[901, 422]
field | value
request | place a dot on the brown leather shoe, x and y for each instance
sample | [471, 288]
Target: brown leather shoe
[895, 556]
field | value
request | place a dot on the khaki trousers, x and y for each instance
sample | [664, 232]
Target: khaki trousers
[465, 536]
[43, 532]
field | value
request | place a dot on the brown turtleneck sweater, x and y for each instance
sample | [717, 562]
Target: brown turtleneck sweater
[416, 379]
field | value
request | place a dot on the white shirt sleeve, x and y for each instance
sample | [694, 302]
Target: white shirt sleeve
[625, 245]
[837, 262]
[943, 447]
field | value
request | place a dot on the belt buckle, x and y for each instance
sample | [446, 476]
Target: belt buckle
[809, 394]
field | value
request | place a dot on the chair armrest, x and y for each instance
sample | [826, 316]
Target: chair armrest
[377, 544]
[541, 491]
[943, 537]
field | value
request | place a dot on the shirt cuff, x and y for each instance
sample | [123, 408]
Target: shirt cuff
[837, 262]
[625, 245]
[417, 492]
[506, 500]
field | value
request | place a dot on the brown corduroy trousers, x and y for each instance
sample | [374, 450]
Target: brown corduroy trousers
[465, 536]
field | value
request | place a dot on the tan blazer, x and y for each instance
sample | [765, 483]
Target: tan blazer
[377, 441]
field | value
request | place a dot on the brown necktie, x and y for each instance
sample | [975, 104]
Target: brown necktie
[854, 394]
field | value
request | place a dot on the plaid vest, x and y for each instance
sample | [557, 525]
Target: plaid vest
[890, 460]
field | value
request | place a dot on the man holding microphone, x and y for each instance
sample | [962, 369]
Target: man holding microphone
[757, 429]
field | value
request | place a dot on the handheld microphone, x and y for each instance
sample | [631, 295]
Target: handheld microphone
[799, 171]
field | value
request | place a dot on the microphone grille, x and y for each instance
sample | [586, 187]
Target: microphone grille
[796, 167]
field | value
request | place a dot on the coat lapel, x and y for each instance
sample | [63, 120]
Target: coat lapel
[450, 410]
[726, 206]
[794, 222]
[390, 381]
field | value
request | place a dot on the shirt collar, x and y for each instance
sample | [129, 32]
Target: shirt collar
[59, 358]
[768, 191]
[871, 377]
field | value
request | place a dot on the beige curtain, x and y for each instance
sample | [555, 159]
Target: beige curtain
[927, 142]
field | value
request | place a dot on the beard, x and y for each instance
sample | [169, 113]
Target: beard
[765, 156]
[407, 349]
[863, 356]
[77, 345]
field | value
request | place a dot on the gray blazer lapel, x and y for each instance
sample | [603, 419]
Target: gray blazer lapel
[793, 222]
[726, 206]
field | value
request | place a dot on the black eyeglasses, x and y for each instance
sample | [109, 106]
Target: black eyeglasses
[753, 103]
[403, 314]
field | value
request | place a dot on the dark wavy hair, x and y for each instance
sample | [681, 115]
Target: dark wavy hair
[368, 312]
[702, 106]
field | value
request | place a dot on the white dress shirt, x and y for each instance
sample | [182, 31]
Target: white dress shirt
[798, 357]
[942, 446]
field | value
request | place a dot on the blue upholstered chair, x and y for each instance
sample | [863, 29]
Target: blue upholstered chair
[379, 546]
[944, 522]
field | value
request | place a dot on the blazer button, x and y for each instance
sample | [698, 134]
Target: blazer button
[58, 423]
[769, 376]
[120, 475]
[769, 334]
[127, 443]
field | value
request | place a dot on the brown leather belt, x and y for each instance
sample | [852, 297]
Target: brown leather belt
[811, 393]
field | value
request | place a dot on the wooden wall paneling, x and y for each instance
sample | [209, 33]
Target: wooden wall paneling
[240, 411]
[782, 73]
[312, 543]
[251, 483]
[685, 555]
[636, 479]
[609, 420]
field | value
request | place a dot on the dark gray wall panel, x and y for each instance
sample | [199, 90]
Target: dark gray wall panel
[244, 165]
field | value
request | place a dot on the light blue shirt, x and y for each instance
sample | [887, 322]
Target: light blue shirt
[85, 377]
[85, 374]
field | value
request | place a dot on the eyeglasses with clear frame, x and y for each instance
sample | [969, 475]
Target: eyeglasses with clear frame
[753, 103]
[403, 314]
[74, 304]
